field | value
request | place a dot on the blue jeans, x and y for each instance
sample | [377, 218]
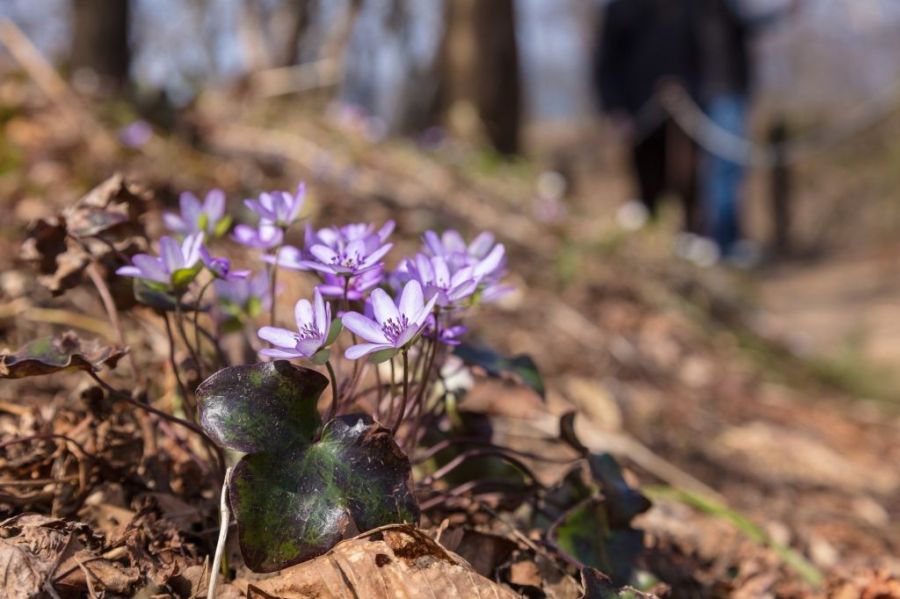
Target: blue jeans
[720, 178]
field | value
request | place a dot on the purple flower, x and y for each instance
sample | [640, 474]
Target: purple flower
[264, 236]
[451, 335]
[486, 259]
[450, 286]
[334, 237]
[209, 217]
[176, 266]
[136, 134]
[221, 267]
[395, 326]
[249, 296]
[355, 258]
[358, 286]
[315, 331]
[278, 208]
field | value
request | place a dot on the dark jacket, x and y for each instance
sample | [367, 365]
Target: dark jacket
[641, 44]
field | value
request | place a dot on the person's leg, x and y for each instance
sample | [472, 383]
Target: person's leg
[721, 177]
[648, 155]
[681, 158]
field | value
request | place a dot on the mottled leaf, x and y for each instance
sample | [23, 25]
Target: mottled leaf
[297, 503]
[521, 368]
[261, 407]
[48, 355]
[586, 535]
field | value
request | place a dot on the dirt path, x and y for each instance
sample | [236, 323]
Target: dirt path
[845, 302]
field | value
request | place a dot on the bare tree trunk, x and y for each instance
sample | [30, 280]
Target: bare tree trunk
[498, 89]
[481, 91]
[298, 13]
[100, 39]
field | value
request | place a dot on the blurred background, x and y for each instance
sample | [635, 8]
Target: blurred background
[700, 198]
[816, 147]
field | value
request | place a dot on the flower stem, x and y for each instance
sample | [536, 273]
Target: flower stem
[405, 354]
[197, 337]
[273, 278]
[179, 323]
[334, 390]
[172, 362]
[224, 517]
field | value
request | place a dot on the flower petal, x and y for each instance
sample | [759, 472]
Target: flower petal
[411, 300]
[282, 354]
[214, 205]
[383, 307]
[364, 327]
[190, 207]
[278, 336]
[355, 352]
[303, 314]
[170, 253]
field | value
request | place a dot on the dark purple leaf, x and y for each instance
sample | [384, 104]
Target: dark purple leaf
[295, 504]
[261, 407]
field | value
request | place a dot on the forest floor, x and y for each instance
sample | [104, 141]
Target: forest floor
[773, 470]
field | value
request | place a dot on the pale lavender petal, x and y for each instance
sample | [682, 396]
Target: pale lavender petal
[129, 271]
[323, 254]
[441, 272]
[377, 255]
[151, 267]
[323, 320]
[281, 354]
[453, 241]
[384, 307]
[278, 336]
[214, 205]
[303, 314]
[385, 231]
[364, 327]
[426, 311]
[190, 207]
[433, 243]
[491, 262]
[175, 223]
[170, 254]
[481, 245]
[411, 300]
[355, 352]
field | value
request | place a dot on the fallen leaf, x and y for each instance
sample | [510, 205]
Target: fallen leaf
[55, 354]
[395, 561]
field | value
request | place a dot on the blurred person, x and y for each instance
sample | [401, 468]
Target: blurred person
[725, 30]
[643, 45]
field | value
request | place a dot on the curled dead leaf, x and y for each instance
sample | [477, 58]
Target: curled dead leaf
[394, 561]
[48, 355]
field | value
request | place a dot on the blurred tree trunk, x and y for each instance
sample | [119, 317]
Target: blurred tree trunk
[298, 15]
[100, 39]
[481, 81]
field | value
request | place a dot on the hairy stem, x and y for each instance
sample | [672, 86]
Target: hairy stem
[405, 354]
[197, 336]
[334, 390]
[172, 362]
[273, 279]
[179, 323]
[224, 517]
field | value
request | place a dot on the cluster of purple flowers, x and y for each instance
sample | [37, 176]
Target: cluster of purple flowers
[387, 311]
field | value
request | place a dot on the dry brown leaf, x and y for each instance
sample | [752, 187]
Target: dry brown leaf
[22, 573]
[396, 561]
